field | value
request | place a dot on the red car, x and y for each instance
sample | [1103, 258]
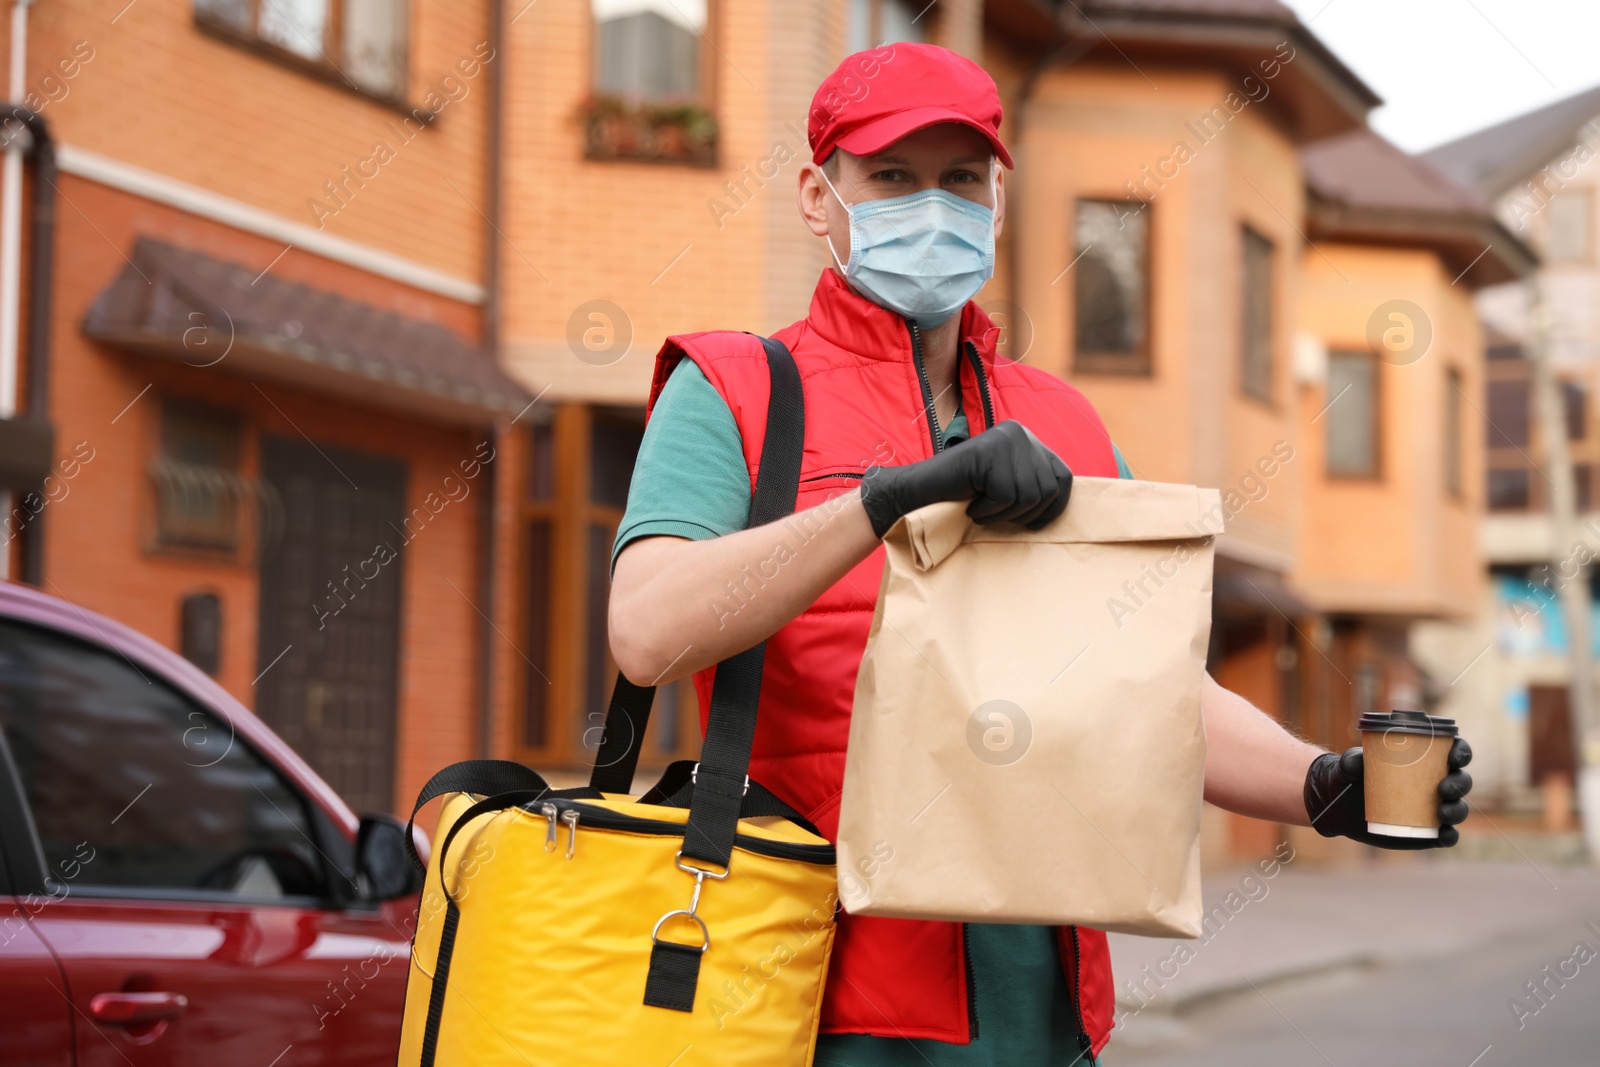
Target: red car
[178, 887]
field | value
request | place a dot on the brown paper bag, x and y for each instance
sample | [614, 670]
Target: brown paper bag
[1026, 744]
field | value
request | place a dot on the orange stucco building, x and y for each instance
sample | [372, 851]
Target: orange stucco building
[466, 230]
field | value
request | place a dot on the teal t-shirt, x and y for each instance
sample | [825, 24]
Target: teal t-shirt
[691, 481]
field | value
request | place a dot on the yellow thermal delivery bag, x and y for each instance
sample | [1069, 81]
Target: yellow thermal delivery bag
[586, 927]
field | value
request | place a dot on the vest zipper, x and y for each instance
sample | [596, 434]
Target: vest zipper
[972, 992]
[1084, 1041]
[983, 384]
[927, 389]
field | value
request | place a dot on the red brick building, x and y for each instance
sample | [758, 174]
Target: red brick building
[276, 442]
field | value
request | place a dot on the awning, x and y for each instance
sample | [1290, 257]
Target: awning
[1240, 589]
[181, 305]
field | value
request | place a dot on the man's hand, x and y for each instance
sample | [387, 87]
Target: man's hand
[1337, 805]
[1007, 473]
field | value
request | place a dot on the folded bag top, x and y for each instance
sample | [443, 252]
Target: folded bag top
[1102, 511]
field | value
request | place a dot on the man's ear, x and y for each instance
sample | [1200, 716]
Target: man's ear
[812, 195]
[999, 198]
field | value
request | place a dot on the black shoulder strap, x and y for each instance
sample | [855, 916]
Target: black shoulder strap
[777, 483]
[487, 777]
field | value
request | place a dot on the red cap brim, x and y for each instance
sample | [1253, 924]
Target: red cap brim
[879, 134]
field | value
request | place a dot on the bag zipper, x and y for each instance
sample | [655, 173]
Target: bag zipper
[600, 818]
[1084, 1042]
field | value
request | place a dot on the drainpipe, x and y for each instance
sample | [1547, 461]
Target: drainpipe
[41, 270]
[11, 247]
[489, 564]
[491, 234]
[487, 573]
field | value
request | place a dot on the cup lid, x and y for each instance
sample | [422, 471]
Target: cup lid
[1408, 722]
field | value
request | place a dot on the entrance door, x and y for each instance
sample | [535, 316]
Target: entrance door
[330, 613]
[1550, 750]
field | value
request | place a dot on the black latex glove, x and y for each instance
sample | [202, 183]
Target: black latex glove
[1007, 473]
[1338, 806]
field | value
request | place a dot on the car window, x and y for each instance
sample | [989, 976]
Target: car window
[135, 786]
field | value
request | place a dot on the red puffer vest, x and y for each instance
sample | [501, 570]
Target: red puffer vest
[866, 404]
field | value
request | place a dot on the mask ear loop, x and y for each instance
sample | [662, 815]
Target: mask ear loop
[828, 238]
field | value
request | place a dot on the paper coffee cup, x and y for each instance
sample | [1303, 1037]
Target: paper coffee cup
[1406, 754]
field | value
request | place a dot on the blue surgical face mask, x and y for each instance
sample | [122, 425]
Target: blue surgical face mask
[923, 255]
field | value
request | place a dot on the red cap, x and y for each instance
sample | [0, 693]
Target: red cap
[876, 97]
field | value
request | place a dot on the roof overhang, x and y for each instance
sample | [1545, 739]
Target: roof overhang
[185, 307]
[1475, 247]
[1323, 96]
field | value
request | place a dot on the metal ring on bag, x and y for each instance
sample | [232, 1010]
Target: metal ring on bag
[705, 933]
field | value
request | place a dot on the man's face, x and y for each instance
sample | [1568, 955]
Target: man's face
[948, 156]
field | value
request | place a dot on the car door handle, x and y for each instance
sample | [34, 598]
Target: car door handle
[132, 1009]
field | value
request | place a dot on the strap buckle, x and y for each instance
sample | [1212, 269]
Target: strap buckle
[694, 776]
[692, 911]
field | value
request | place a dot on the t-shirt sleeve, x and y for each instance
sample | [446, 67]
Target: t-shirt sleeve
[690, 479]
[1123, 471]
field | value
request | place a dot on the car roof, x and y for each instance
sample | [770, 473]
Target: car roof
[20, 603]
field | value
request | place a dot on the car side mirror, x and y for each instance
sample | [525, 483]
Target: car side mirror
[382, 862]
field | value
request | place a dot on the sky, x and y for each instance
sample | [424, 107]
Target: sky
[1450, 67]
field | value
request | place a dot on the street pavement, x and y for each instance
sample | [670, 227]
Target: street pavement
[1423, 962]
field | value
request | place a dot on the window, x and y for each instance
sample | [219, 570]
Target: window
[875, 22]
[1508, 414]
[199, 494]
[580, 469]
[1255, 317]
[1352, 415]
[1570, 227]
[1111, 286]
[1452, 431]
[1574, 405]
[142, 787]
[652, 82]
[1508, 489]
[359, 42]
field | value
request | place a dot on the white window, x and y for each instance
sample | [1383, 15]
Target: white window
[874, 22]
[1569, 237]
[355, 42]
[649, 50]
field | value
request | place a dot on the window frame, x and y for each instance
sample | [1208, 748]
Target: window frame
[875, 20]
[604, 111]
[169, 543]
[1454, 415]
[1268, 395]
[1375, 471]
[1140, 363]
[570, 510]
[1508, 458]
[324, 69]
[22, 849]
[1586, 256]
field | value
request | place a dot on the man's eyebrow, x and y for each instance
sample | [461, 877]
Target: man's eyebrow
[902, 161]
